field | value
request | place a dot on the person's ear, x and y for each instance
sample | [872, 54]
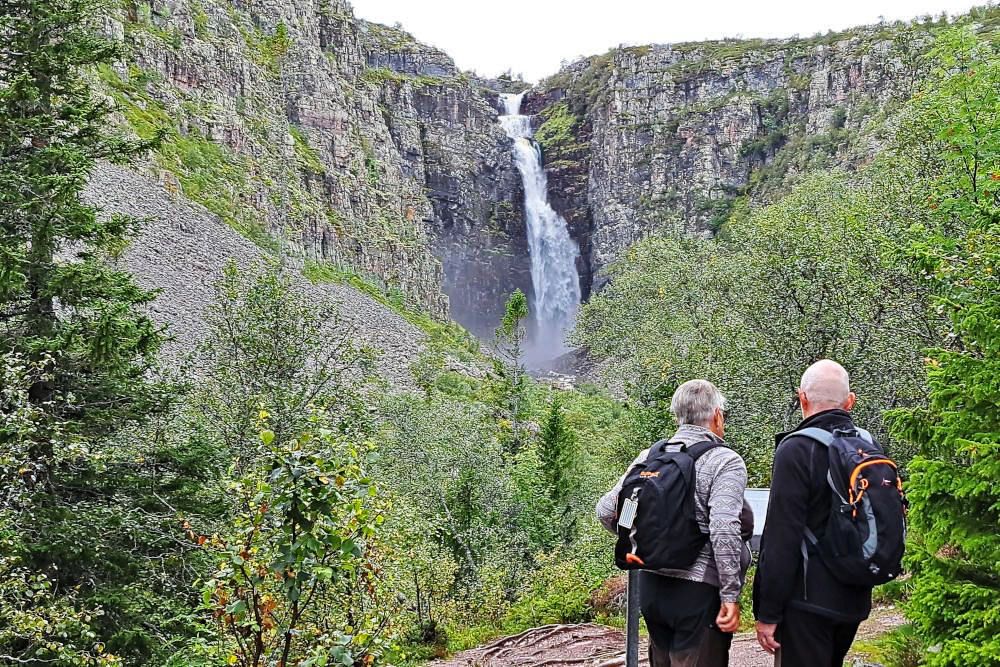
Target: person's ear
[851, 400]
[718, 423]
[803, 399]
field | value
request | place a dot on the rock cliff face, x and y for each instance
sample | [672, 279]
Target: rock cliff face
[334, 139]
[329, 138]
[644, 138]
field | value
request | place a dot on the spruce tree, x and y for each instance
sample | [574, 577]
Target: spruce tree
[557, 454]
[512, 387]
[72, 321]
[557, 451]
[76, 352]
[954, 550]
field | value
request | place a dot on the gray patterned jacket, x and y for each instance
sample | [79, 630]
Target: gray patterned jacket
[720, 510]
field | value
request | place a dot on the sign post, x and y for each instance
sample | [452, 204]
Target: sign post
[632, 620]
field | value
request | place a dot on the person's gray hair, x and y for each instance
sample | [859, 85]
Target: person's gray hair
[695, 402]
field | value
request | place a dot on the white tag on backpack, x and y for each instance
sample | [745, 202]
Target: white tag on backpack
[627, 517]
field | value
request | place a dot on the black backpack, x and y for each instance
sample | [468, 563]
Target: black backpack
[657, 528]
[865, 534]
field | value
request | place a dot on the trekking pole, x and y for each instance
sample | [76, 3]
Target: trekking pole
[632, 620]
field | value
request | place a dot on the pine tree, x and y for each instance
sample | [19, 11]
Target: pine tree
[72, 321]
[954, 550]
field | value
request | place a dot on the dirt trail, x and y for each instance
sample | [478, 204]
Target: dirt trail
[590, 645]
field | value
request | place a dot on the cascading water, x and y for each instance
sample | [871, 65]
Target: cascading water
[553, 252]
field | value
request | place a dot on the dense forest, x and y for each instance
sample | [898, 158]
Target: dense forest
[269, 499]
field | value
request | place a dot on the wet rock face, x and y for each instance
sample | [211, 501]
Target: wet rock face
[348, 141]
[444, 125]
[674, 136]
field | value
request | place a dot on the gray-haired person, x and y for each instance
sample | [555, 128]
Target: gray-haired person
[692, 613]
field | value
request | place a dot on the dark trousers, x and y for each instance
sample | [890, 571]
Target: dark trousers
[680, 616]
[810, 640]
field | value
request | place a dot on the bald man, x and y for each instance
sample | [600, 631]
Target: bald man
[805, 617]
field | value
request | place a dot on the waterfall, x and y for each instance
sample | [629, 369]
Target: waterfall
[553, 252]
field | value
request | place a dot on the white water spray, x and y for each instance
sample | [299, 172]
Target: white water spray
[553, 252]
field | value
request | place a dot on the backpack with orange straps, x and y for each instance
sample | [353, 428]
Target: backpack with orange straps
[865, 535]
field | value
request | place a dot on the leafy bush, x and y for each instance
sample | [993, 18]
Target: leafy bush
[295, 552]
[557, 592]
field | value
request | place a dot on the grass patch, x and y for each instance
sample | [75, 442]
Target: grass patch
[900, 647]
[265, 49]
[146, 23]
[305, 154]
[557, 131]
[894, 592]
[447, 335]
[200, 18]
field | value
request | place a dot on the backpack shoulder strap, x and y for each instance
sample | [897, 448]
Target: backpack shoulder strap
[824, 438]
[660, 446]
[699, 449]
[865, 435]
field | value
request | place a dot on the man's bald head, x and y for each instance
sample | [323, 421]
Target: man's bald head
[825, 386]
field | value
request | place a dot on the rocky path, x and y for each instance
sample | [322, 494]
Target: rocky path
[590, 645]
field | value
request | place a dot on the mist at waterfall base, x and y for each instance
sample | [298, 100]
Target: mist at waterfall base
[553, 252]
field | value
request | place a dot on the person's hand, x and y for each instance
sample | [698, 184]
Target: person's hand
[765, 636]
[728, 619]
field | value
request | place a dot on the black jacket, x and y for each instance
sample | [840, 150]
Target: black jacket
[800, 497]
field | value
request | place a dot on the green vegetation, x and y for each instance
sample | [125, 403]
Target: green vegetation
[773, 114]
[268, 501]
[719, 209]
[558, 454]
[76, 358]
[900, 647]
[307, 156]
[200, 18]
[955, 504]
[382, 75]
[149, 24]
[556, 133]
[379, 76]
[447, 335]
[267, 49]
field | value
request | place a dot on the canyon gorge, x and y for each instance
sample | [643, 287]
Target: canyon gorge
[354, 151]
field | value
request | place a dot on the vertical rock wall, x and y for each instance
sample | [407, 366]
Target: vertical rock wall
[674, 136]
[337, 139]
